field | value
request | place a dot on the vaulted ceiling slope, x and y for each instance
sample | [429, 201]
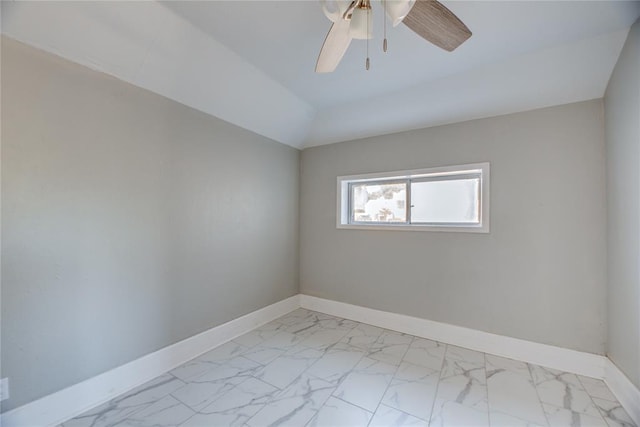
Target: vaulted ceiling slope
[252, 62]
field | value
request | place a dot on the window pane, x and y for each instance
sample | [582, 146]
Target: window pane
[447, 201]
[379, 202]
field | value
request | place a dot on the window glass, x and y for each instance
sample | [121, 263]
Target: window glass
[446, 201]
[379, 202]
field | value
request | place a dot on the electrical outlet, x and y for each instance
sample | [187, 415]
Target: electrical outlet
[4, 389]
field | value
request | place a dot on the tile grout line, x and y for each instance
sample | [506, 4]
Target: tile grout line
[392, 377]
[340, 381]
[535, 386]
[324, 352]
[365, 354]
[251, 376]
[600, 412]
[196, 412]
[486, 384]
[352, 404]
[214, 400]
[435, 396]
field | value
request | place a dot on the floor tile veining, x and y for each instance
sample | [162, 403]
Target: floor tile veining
[312, 369]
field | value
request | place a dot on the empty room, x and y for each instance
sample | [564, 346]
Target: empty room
[320, 213]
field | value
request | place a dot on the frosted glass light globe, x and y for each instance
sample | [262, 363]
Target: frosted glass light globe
[361, 26]
[398, 9]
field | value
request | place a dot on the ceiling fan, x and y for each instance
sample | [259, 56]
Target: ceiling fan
[429, 19]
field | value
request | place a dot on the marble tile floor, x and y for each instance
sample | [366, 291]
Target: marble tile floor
[311, 369]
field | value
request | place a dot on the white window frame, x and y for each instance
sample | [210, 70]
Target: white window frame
[343, 212]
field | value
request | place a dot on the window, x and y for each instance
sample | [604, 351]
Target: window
[452, 198]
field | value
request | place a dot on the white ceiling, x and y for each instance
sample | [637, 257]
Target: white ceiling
[251, 62]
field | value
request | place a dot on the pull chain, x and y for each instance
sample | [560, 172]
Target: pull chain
[367, 63]
[384, 20]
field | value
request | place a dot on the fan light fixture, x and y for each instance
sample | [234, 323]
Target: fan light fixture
[430, 19]
[361, 27]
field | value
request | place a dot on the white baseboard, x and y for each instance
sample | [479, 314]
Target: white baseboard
[627, 393]
[58, 407]
[588, 364]
[65, 404]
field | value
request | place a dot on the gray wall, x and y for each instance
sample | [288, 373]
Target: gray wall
[622, 124]
[129, 222]
[539, 275]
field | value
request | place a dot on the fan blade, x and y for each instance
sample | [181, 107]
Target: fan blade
[334, 47]
[431, 20]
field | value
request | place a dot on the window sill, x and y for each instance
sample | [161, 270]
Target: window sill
[402, 227]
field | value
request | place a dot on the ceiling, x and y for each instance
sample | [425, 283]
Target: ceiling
[252, 62]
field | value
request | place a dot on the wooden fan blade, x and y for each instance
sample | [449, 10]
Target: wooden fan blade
[431, 20]
[334, 47]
